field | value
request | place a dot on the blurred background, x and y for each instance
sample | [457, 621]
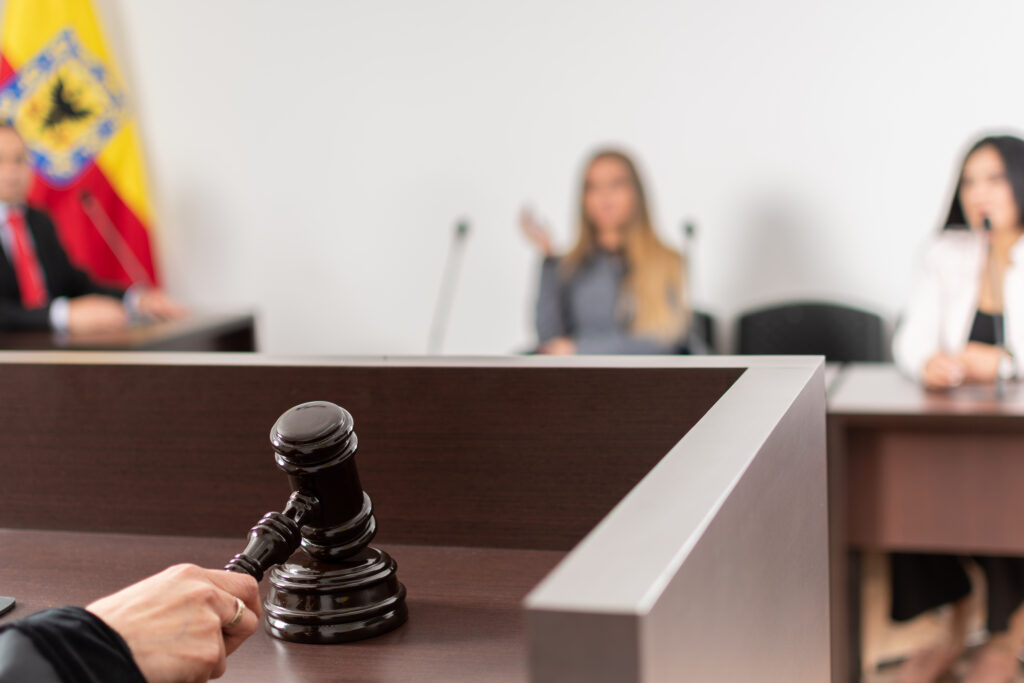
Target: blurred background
[310, 160]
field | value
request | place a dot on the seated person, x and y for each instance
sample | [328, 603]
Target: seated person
[40, 289]
[178, 625]
[948, 336]
[620, 289]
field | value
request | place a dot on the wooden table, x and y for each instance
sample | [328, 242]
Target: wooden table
[465, 611]
[915, 470]
[652, 538]
[198, 332]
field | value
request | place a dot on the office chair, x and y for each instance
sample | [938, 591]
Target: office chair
[840, 333]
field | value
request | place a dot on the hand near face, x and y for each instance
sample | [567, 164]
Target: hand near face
[176, 622]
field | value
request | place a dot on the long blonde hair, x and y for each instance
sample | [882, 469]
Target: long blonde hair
[654, 287]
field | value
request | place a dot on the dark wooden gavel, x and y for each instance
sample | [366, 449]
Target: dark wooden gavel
[338, 588]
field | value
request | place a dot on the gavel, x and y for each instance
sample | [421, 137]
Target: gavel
[336, 588]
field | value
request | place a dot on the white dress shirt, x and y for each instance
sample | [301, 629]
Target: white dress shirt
[944, 301]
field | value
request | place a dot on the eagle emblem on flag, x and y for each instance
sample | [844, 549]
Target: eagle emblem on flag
[66, 105]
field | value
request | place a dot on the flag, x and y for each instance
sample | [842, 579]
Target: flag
[60, 88]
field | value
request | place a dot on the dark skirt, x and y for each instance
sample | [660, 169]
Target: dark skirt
[924, 582]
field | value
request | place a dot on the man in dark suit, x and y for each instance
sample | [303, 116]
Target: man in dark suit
[40, 288]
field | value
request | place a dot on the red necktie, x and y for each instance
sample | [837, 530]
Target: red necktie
[26, 264]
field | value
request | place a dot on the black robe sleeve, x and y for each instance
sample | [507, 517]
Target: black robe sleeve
[66, 644]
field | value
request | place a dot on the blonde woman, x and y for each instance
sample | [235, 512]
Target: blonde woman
[620, 289]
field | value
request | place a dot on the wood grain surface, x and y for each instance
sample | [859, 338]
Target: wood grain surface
[486, 456]
[465, 619]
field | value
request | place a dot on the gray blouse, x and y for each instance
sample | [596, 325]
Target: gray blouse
[585, 308]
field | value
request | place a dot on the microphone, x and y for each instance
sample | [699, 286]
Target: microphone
[114, 239]
[997, 294]
[689, 233]
[447, 292]
[698, 335]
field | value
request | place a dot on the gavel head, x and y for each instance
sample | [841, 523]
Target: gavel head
[315, 444]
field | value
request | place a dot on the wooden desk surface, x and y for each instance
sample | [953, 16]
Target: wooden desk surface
[925, 470]
[460, 457]
[465, 623]
[197, 332]
[881, 390]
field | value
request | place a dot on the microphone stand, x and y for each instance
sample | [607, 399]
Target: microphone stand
[689, 232]
[997, 320]
[447, 292]
[117, 244]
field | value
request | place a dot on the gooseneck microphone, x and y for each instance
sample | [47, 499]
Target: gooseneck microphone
[446, 294]
[997, 294]
[698, 333]
[114, 239]
[689, 232]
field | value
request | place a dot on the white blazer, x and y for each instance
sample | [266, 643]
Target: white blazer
[944, 301]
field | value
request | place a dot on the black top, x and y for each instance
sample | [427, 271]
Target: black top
[65, 645]
[62, 278]
[984, 328]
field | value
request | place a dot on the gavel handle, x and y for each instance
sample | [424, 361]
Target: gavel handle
[275, 537]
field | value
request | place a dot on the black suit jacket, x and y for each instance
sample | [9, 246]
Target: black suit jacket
[62, 278]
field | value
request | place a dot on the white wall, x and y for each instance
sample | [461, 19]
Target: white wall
[310, 158]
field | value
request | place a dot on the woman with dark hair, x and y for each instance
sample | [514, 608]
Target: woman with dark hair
[965, 324]
[620, 289]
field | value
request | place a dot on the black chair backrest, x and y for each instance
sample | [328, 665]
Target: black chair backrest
[703, 328]
[840, 333]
